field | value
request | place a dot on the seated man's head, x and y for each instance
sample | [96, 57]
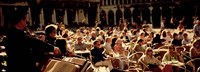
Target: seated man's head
[50, 32]
[20, 18]
[97, 44]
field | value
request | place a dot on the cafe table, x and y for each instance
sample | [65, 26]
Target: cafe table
[83, 53]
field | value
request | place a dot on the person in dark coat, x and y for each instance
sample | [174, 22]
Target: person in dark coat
[20, 46]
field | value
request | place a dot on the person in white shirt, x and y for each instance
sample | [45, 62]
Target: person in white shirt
[107, 46]
[165, 36]
[186, 40]
[149, 60]
[196, 29]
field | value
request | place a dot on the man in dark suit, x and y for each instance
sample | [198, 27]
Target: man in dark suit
[99, 59]
[20, 46]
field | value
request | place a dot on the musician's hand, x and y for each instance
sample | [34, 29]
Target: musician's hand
[42, 37]
[57, 51]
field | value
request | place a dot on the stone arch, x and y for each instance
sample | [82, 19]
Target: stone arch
[103, 17]
[156, 16]
[136, 17]
[111, 18]
[146, 14]
[71, 16]
[118, 16]
[127, 15]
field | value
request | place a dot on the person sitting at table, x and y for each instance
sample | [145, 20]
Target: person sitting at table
[80, 45]
[102, 36]
[180, 35]
[157, 39]
[171, 55]
[150, 37]
[50, 33]
[66, 34]
[195, 49]
[62, 44]
[119, 49]
[195, 52]
[149, 60]
[93, 36]
[138, 46]
[87, 36]
[78, 33]
[99, 59]
[175, 40]
[165, 37]
[186, 40]
[124, 37]
[184, 58]
[142, 36]
[107, 46]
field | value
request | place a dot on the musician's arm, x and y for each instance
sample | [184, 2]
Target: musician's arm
[36, 43]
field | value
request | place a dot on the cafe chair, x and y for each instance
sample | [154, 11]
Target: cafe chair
[157, 45]
[143, 66]
[193, 64]
[180, 49]
[163, 47]
[187, 48]
[159, 55]
[101, 68]
[133, 60]
[198, 69]
[82, 63]
[61, 66]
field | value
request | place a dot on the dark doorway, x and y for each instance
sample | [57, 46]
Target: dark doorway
[127, 17]
[136, 17]
[111, 18]
[103, 18]
[156, 17]
[60, 14]
[166, 16]
[127, 14]
[92, 14]
[118, 16]
[146, 14]
[71, 16]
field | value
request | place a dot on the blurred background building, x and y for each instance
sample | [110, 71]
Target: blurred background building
[74, 13]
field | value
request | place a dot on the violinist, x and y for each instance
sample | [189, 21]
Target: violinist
[20, 46]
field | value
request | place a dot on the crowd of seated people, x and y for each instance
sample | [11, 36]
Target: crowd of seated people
[113, 43]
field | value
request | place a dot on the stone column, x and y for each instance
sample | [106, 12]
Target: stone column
[53, 19]
[76, 17]
[29, 16]
[106, 10]
[132, 8]
[106, 2]
[118, 1]
[41, 17]
[123, 1]
[141, 13]
[98, 13]
[102, 1]
[65, 20]
[171, 7]
[114, 10]
[87, 19]
[110, 2]
[151, 9]
[122, 14]
[160, 13]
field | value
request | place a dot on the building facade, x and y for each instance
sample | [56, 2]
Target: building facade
[108, 12]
